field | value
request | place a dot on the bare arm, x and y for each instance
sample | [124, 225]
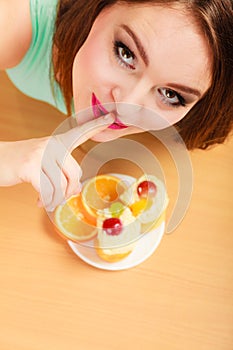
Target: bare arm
[15, 31]
[47, 162]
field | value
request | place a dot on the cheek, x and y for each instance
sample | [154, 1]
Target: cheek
[83, 76]
[83, 66]
[91, 62]
[92, 72]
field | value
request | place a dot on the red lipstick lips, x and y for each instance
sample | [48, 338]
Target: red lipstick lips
[99, 110]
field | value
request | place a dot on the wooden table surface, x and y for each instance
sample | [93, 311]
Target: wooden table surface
[180, 298]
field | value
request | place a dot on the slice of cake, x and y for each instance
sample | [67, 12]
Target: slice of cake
[147, 199]
[118, 232]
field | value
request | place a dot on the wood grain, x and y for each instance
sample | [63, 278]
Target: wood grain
[180, 298]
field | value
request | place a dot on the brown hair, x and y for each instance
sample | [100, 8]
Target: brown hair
[210, 121]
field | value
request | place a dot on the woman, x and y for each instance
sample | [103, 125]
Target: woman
[170, 56]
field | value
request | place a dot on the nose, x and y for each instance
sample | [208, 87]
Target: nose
[136, 104]
[133, 98]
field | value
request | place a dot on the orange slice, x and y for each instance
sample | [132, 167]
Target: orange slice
[111, 258]
[109, 255]
[140, 206]
[73, 222]
[100, 192]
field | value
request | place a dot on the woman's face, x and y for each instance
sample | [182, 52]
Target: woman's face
[138, 59]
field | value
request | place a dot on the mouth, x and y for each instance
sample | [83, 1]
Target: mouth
[99, 110]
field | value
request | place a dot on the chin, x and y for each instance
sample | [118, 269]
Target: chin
[109, 134]
[101, 137]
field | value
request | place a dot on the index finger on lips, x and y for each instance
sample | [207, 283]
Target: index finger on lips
[78, 135]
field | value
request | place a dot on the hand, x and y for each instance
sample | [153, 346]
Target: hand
[47, 162]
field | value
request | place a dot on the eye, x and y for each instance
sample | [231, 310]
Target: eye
[124, 55]
[171, 97]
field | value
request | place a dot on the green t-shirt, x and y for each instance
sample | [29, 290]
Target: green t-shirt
[32, 74]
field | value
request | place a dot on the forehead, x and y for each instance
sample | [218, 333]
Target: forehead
[167, 31]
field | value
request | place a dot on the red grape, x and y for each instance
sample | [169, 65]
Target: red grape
[147, 189]
[112, 226]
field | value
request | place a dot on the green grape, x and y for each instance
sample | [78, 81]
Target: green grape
[116, 209]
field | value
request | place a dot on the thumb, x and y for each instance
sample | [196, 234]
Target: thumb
[80, 134]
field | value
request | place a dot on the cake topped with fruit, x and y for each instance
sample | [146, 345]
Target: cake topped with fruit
[118, 232]
[147, 199]
[112, 214]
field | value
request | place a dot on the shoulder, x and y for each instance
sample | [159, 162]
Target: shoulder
[15, 31]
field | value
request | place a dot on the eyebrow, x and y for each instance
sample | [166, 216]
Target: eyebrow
[142, 52]
[185, 89]
[137, 43]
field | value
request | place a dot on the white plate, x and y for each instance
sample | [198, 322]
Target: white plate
[145, 247]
